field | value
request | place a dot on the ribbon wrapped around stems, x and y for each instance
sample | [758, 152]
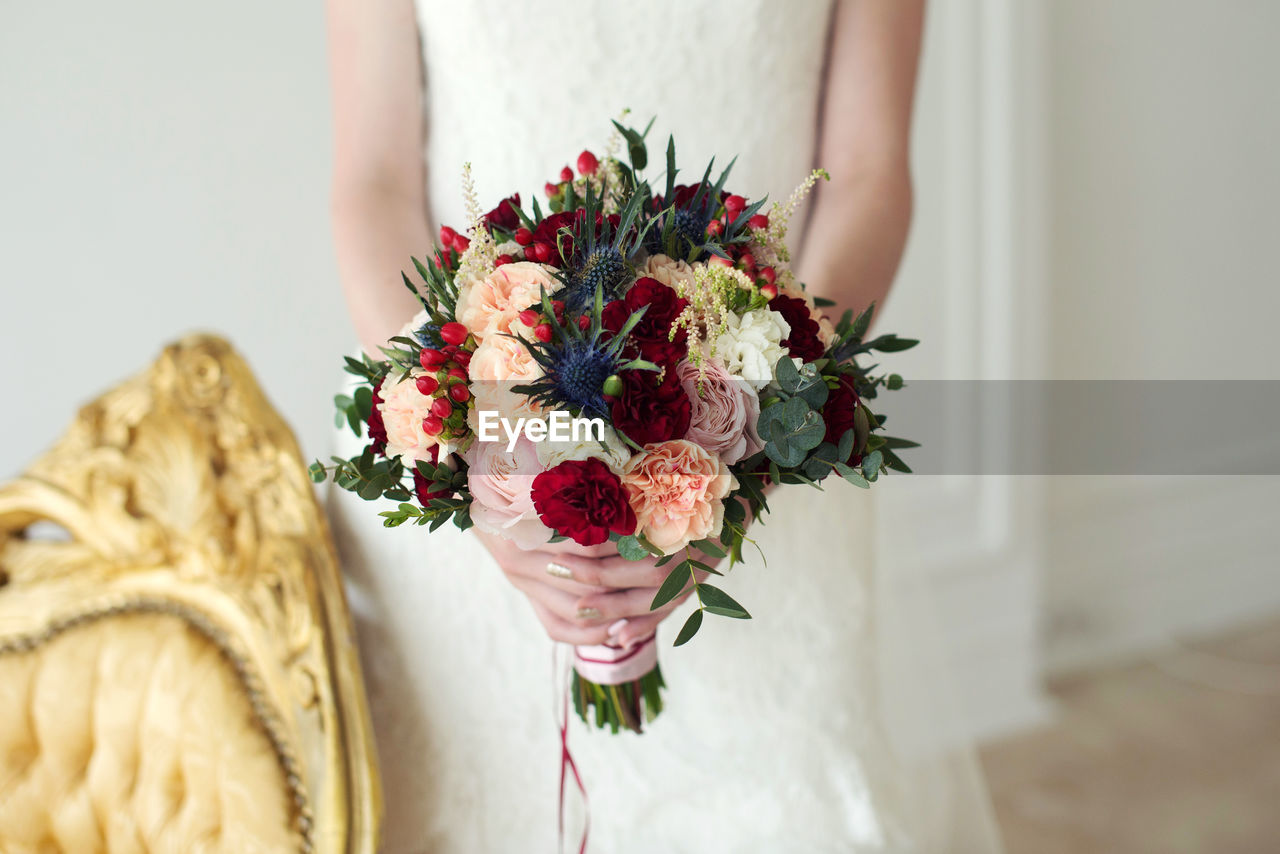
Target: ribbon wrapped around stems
[623, 686]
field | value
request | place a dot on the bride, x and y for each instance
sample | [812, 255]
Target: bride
[772, 739]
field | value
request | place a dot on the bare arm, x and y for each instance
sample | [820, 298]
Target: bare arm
[860, 219]
[379, 203]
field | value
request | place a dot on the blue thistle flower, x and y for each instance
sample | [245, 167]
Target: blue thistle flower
[577, 373]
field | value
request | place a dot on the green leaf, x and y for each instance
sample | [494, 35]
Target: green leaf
[863, 322]
[364, 402]
[673, 586]
[845, 449]
[317, 472]
[717, 601]
[894, 382]
[709, 547]
[852, 475]
[690, 628]
[629, 547]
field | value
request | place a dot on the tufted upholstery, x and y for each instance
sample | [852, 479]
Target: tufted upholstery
[106, 745]
[177, 668]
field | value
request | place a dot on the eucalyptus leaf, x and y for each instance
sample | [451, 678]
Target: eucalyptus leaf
[717, 601]
[629, 547]
[690, 628]
[673, 586]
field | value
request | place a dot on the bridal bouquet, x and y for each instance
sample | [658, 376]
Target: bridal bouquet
[632, 364]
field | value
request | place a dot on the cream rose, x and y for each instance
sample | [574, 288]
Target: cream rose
[498, 364]
[724, 411]
[751, 345]
[615, 453]
[487, 306]
[403, 407]
[677, 490]
[670, 271]
[500, 485]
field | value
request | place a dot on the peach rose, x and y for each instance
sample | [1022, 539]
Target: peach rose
[677, 490]
[487, 306]
[403, 407]
[500, 485]
[669, 271]
[497, 365]
[725, 411]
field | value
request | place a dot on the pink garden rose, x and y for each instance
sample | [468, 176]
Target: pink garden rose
[677, 491]
[725, 411]
[489, 305]
[500, 485]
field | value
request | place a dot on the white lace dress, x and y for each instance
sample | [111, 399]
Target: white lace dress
[770, 741]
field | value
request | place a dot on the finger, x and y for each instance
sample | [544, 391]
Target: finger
[639, 628]
[535, 567]
[615, 573]
[563, 605]
[620, 604]
[569, 547]
[566, 632]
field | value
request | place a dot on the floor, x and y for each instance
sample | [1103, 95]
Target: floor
[1179, 754]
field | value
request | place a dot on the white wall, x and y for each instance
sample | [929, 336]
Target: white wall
[1164, 178]
[163, 168]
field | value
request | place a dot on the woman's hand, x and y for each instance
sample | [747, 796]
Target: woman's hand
[587, 595]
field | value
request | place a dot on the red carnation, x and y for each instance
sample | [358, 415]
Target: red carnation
[548, 232]
[583, 500]
[377, 430]
[648, 410]
[838, 412]
[504, 215]
[803, 340]
[652, 335]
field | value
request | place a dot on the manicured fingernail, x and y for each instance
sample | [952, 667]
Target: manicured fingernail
[616, 627]
[588, 613]
[559, 570]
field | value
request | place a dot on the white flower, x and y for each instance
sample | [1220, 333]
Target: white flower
[403, 408]
[751, 346]
[615, 453]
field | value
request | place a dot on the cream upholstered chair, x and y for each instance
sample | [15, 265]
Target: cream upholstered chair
[177, 670]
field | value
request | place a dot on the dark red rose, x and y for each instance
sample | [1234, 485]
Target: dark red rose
[651, 337]
[377, 430]
[649, 410]
[504, 215]
[583, 500]
[803, 340]
[838, 412]
[422, 486]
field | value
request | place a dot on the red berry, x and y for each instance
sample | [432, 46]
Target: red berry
[566, 174]
[432, 425]
[583, 321]
[758, 221]
[524, 236]
[502, 259]
[557, 305]
[768, 275]
[734, 205]
[447, 235]
[541, 252]
[721, 260]
[550, 189]
[769, 291]
[442, 260]
[462, 357]
[460, 244]
[453, 332]
[459, 393]
[529, 317]
[587, 163]
[747, 260]
[542, 332]
[457, 374]
[427, 385]
[441, 407]
[432, 358]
